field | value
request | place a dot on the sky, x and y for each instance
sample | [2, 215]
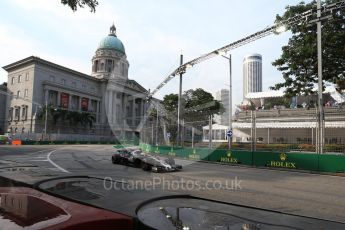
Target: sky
[154, 33]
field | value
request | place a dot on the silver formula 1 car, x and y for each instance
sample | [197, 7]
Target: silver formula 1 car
[139, 159]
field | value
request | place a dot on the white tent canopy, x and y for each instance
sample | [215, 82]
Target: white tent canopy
[266, 94]
[288, 125]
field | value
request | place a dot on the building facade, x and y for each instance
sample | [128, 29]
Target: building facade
[3, 107]
[222, 96]
[115, 102]
[252, 74]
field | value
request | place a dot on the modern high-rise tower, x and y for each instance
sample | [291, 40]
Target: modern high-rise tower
[252, 74]
[223, 96]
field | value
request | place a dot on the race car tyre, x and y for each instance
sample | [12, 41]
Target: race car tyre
[137, 163]
[145, 166]
[115, 160]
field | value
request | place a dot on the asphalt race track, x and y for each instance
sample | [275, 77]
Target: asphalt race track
[319, 196]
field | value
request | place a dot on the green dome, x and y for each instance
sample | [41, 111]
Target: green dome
[112, 42]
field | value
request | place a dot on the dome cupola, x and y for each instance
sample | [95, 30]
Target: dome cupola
[112, 42]
[110, 60]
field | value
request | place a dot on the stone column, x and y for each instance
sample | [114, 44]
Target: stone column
[79, 103]
[46, 97]
[110, 106]
[124, 114]
[58, 99]
[102, 104]
[115, 101]
[142, 110]
[114, 107]
[133, 112]
[124, 102]
[90, 104]
[97, 111]
[69, 101]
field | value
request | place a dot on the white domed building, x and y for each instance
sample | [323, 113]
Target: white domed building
[110, 59]
[116, 102]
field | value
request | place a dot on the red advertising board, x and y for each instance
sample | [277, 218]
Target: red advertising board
[64, 100]
[84, 104]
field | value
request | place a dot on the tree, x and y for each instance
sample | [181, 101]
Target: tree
[87, 119]
[197, 106]
[74, 4]
[60, 115]
[298, 61]
[74, 118]
[54, 115]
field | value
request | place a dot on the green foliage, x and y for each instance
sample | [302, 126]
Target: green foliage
[74, 4]
[197, 105]
[298, 61]
[58, 115]
[271, 102]
[74, 118]
[87, 119]
[170, 102]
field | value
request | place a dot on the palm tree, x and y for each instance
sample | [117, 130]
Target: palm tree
[87, 118]
[73, 117]
[53, 115]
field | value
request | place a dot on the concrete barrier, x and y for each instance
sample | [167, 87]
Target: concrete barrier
[16, 142]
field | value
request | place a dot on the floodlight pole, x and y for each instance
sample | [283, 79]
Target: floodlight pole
[230, 103]
[157, 120]
[230, 98]
[319, 71]
[179, 137]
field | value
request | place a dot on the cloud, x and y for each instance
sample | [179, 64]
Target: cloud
[13, 47]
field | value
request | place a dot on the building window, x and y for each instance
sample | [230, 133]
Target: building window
[13, 79]
[18, 94]
[109, 65]
[16, 113]
[10, 114]
[74, 84]
[19, 78]
[84, 86]
[26, 93]
[26, 76]
[123, 69]
[52, 78]
[24, 112]
[63, 81]
[96, 66]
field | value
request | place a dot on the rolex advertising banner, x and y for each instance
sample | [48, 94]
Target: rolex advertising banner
[64, 100]
[303, 161]
[279, 160]
[84, 104]
[231, 156]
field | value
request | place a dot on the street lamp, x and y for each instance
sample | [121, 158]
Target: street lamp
[230, 96]
[319, 73]
[280, 29]
[179, 137]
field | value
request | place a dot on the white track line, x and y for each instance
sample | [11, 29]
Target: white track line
[53, 163]
[44, 150]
